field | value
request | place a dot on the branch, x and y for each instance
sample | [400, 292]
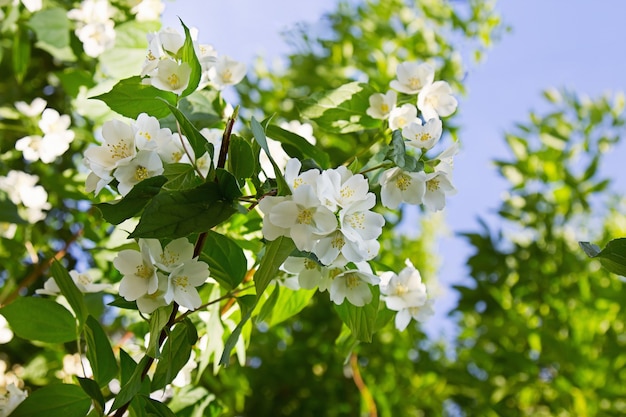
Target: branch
[365, 392]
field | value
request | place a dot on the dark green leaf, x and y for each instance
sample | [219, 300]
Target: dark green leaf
[62, 400]
[276, 252]
[361, 320]
[226, 260]
[341, 110]
[92, 389]
[130, 97]
[397, 153]
[157, 408]
[612, 257]
[120, 302]
[21, 53]
[136, 199]
[240, 158]
[175, 214]
[188, 55]
[68, 288]
[288, 304]
[197, 141]
[8, 213]
[99, 352]
[175, 355]
[40, 319]
[180, 177]
[307, 149]
[269, 304]
[132, 386]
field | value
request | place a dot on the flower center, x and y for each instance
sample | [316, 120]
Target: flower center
[141, 173]
[146, 135]
[346, 192]
[352, 280]
[309, 264]
[119, 150]
[181, 281]
[357, 220]
[144, 271]
[401, 289]
[174, 80]
[403, 181]
[424, 136]
[415, 83]
[338, 241]
[227, 76]
[304, 217]
[432, 185]
[384, 108]
[297, 182]
[169, 258]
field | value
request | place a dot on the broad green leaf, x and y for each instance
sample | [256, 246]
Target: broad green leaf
[226, 260]
[130, 97]
[341, 110]
[117, 211]
[158, 320]
[307, 149]
[62, 400]
[612, 257]
[68, 288]
[234, 336]
[187, 396]
[8, 213]
[52, 28]
[397, 153]
[259, 136]
[361, 320]
[121, 302]
[268, 305]
[276, 252]
[92, 389]
[288, 304]
[240, 158]
[40, 319]
[180, 177]
[156, 408]
[132, 386]
[197, 141]
[128, 54]
[188, 55]
[175, 355]
[99, 352]
[173, 214]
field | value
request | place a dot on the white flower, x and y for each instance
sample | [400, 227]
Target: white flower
[161, 45]
[337, 250]
[358, 223]
[295, 179]
[401, 116]
[302, 129]
[438, 185]
[148, 131]
[147, 303]
[226, 71]
[97, 37]
[33, 109]
[32, 5]
[381, 105]
[92, 11]
[139, 273]
[421, 313]
[183, 378]
[173, 255]
[146, 164]
[170, 75]
[270, 230]
[308, 271]
[399, 186]
[56, 139]
[446, 159]
[84, 282]
[214, 137]
[21, 189]
[304, 216]
[279, 156]
[423, 136]
[148, 10]
[403, 290]
[11, 399]
[339, 187]
[353, 286]
[436, 100]
[412, 77]
[175, 148]
[6, 334]
[118, 148]
[183, 281]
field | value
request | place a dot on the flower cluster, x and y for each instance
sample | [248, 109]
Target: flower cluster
[11, 399]
[83, 280]
[52, 137]
[405, 293]
[434, 100]
[95, 26]
[165, 69]
[132, 153]
[157, 276]
[30, 198]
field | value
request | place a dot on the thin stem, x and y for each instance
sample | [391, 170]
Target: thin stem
[374, 168]
[221, 161]
[192, 160]
[229, 295]
[360, 384]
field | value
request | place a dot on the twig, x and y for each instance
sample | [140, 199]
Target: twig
[360, 384]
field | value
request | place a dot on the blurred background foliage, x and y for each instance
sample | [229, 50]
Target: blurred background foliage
[540, 325]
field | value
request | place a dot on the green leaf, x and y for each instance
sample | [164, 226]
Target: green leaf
[92, 389]
[240, 158]
[341, 110]
[268, 305]
[397, 153]
[8, 213]
[117, 211]
[130, 97]
[276, 252]
[612, 257]
[288, 304]
[99, 352]
[52, 28]
[120, 302]
[40, 319]
[361, 320]
[132, 386]
[129, 52]
[307, 149]
[55, 400]
[159, 318]
[173, 214]
[259, 136]
[180, 177]
[197, 141]
[176, 352]
[187, 396]
[21, 53]
[156, 408]
[234, 336]
[188, 55]
[68, 288]
[226, 260]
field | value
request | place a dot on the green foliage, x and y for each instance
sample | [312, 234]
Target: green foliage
[612, 257]
[55, 400]
[40, 319]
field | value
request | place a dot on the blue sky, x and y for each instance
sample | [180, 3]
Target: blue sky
[576, 44]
